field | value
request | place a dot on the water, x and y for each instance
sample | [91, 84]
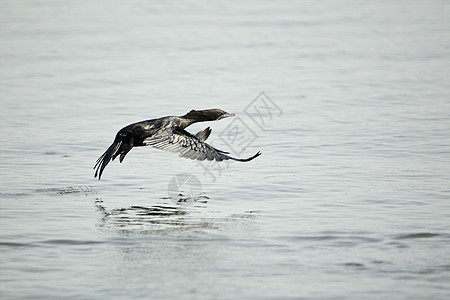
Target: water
[350, 198]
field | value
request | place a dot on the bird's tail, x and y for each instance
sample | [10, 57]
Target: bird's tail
[106, 157]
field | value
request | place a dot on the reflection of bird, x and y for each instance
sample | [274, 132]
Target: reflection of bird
[167, 133]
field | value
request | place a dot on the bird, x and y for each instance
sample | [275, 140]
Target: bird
[169, 134]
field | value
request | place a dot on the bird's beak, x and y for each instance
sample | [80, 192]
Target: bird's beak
[226, 115]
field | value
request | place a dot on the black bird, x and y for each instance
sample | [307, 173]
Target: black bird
[167, 133]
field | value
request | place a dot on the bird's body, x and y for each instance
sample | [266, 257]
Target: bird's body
[167, 133]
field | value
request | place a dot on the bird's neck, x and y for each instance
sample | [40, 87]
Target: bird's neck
[186, 121]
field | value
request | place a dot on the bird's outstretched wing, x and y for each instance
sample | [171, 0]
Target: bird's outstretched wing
[189, 146]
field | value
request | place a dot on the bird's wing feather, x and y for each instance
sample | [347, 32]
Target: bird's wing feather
[106, 157]
[189, 146]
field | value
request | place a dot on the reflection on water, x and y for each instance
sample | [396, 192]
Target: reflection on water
[171, 215]
[181, 198]
[166, 215]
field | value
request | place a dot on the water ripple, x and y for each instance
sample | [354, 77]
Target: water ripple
[88, 189]
[70, 242]
[419, 235]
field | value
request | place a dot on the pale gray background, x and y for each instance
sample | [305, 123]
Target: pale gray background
[350, 198]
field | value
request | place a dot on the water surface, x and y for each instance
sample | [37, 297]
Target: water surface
[350, 198]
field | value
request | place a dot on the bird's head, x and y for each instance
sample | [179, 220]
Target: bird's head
[207, 115]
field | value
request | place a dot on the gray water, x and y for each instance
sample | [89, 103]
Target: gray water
[350, 198]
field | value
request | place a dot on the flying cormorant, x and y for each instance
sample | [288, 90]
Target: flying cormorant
[167, 133]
